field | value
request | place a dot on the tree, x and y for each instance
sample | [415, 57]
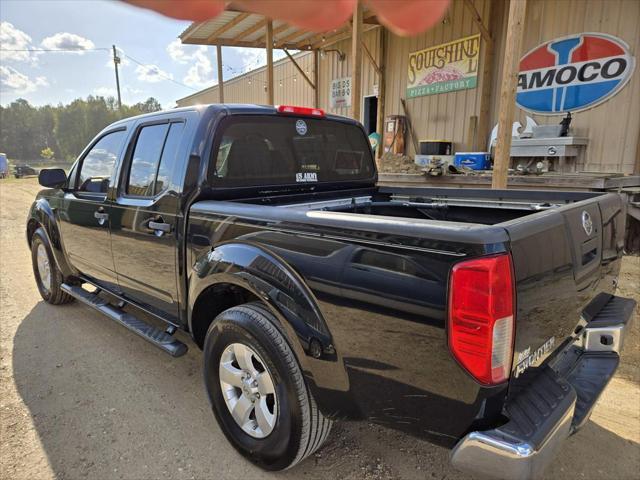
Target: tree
[149, 106]
[26, 132]
[47, 153]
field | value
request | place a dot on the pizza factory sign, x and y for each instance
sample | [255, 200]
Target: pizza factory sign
[573, 73]
[444, 68]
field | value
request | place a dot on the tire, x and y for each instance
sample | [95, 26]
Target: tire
[51, 289]
[299, 427]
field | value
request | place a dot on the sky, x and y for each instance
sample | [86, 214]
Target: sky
[154, 63]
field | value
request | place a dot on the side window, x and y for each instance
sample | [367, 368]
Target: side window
[98, 165]
[223, 154]
[145, 159]
[168, 158]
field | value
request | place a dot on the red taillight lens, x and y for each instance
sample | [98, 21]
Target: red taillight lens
[306, 111]
[481, 317]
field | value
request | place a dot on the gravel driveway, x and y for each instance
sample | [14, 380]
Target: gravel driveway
[80, 396]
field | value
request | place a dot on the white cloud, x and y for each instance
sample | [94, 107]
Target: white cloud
[251, 58]
[151, 73]
[67, 41]
[12, 81]
[200, 72]
[177, 52]
[12, 38]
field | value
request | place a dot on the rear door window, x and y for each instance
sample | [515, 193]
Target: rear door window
[145, 160]
[153, 159]
[168, 157]
[272, 150]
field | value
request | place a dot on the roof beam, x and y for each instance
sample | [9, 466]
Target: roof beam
[477, 19]
[239, 43]
[226, 27]
[291, 36]
[253, 29]
[371, 59]
[342, 35]
[276, 31]
[371, 20]
[295, 64]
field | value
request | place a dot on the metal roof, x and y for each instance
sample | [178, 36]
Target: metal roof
[240, 29]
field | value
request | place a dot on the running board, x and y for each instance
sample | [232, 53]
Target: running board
[156, 336]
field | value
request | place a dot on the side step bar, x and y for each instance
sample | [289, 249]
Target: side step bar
[158, 337]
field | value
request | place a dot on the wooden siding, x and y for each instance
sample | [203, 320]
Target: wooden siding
[331, 68]
[613, 127]
[445, 116]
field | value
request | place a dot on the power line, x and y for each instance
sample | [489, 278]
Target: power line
[233, 70]
[159, 72]
[53, 49]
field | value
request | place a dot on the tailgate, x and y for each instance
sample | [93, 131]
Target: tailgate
[562, 259]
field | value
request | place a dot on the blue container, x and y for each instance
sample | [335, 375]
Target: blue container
[472, 160]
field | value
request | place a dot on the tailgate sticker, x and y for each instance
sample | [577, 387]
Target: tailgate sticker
[527, 359]
[304, 177]
[301, 127]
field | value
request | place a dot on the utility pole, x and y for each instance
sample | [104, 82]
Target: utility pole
[116, 61]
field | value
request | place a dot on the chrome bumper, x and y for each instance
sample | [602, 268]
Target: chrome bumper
[490, 453]
[523, 447]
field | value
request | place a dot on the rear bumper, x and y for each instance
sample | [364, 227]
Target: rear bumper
[552, 403]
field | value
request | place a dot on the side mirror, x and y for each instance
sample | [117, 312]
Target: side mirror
[52, 178]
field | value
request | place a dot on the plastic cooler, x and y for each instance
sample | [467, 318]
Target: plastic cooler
[472, 160]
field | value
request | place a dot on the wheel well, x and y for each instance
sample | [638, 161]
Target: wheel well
[32, 226]
[213, 301]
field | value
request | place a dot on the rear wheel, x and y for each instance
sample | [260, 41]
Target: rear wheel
[257, 390]
[48, 277]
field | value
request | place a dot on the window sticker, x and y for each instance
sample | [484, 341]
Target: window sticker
[301, 127]
[304, 177]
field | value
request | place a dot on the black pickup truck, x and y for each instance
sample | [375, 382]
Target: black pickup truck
[482, 320]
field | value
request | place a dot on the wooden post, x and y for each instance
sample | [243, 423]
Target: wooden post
[356, 59]
[220, 81]
[269, 45]
[481, 135]
[382, 61]
[508, 85]
[316, 78]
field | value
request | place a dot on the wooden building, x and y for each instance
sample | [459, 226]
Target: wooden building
[465, 116]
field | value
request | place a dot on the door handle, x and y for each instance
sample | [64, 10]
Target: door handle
[159, 227]
[101, 216]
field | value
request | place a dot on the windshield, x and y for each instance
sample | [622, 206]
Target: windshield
[270, 150]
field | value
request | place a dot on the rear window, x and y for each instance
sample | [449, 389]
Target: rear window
[264, 150]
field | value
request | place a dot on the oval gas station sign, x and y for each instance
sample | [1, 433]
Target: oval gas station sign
[573, 73]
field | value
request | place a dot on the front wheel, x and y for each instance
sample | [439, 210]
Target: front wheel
[48, 277]
[257, 390]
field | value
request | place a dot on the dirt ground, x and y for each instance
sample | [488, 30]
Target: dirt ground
[81, 397]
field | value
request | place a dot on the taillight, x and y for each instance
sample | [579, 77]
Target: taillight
[481, 317]
[306, 111]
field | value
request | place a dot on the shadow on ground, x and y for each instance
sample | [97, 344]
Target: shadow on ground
[106, 404]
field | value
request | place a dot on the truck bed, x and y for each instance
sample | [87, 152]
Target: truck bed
[558, 266]
[473, 206]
